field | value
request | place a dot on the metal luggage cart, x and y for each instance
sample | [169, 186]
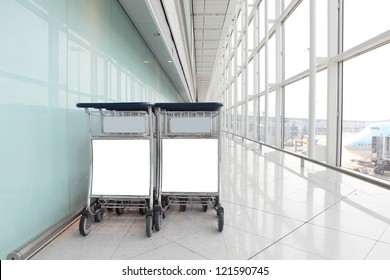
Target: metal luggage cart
[189, 156]
[122, 162]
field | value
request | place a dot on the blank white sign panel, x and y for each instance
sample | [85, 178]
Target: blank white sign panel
[190, 125]
[121, 167]
[190, 165]
[124, 124]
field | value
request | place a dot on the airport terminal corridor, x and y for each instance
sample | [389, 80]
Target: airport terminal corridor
[274, 210]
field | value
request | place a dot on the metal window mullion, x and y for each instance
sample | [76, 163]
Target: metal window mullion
[278, 92]
[283, 71]
[244, 54]
[266, 40]
[312, 80]
[235, 72]
[256, 76]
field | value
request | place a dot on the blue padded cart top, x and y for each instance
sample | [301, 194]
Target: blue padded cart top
[200, 106]
[121, 106]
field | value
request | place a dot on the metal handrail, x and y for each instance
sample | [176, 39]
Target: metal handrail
[363, 177]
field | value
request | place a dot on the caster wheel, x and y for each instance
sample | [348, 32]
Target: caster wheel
[157, 220]
[220, 221]
[149, 225]
[85, 225]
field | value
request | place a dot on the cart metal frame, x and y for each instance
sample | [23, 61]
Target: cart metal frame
[189, 121]
[114, 122]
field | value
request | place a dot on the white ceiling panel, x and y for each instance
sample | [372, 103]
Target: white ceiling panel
[198, 44]
[209, 20]
[198, 6]
[210, 44]
[198, 35]
[198, 20]
[210, 52]
[214, 21]
[211, 34]
[216, 3]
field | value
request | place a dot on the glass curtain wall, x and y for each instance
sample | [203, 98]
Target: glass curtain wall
[298, 76]
[366, 118]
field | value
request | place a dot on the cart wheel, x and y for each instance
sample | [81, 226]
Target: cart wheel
[204, 204]
[119, 211]
[220, 221]
[142, 211]
[183, 207]
[149, 225]
[157, 220]
[97, 208]
[85, 225]
[99, 216]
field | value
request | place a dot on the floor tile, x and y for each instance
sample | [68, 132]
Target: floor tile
[171, 251]
[95, 246]
[231, 243]
[381, 251]
[178, 224]
[282, 252]
[346, 218]
[293, 209]
[386, 235]
[329, 243]
[134, 244]
[263, 224]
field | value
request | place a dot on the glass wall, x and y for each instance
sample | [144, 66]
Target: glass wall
[277, 59]
[55, 54]
[297, 44]
[363, 22]
[365, 112]
[365, 131]
[316, 77]
[296, 116]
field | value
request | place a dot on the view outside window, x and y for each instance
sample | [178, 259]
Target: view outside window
[262, 70]
[371, 20]
[297, 44]
[260, 123]
[366, 118]
[321, 115]
[366, 115]
[239, 88]
[251, 120]
[296, 116]
[250, 72]
[271, 118]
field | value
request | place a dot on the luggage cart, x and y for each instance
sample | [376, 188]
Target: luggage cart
[122, 162]
[189, 156]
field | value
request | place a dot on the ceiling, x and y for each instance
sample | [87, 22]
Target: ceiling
[150, 20]
[209, 22]
[211, 18]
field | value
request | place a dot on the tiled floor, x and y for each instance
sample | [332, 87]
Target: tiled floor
[274, 209]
